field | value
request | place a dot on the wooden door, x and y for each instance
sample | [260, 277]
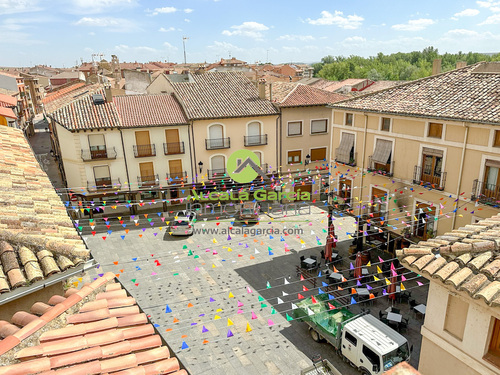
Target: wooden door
[379, 202]
[175, 168]
[431, 169]
[143, 143]
[425, 215]
[491, 188]
[173, 141]
[147, 171]
[299, 188]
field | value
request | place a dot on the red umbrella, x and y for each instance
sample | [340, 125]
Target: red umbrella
[358, 266]
[391, 289]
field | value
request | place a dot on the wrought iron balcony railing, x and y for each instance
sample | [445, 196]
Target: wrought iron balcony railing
[255, 140]
[216, 173]
[145, 181]
[106, 183]
[352, 161]
[433, 180]
[106, 153]
[382, 169]
[486, 193]
[173, 148]
[141, 151]
[217, 143]
[176, 177]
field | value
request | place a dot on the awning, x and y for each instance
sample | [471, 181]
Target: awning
[382, 151]
[345, 147]
[432, 152]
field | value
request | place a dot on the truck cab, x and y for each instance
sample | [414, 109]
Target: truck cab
[372, 346]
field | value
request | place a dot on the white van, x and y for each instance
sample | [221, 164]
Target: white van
[372, 346]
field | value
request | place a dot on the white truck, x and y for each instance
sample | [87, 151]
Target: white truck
[363, 340]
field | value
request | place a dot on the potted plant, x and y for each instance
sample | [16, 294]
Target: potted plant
[406, 232]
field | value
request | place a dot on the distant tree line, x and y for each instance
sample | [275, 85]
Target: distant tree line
[394, 67]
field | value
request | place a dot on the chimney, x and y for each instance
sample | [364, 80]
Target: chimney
[436, 67]
[108, 93]
[262, 88]
[461, 64]
[270, 91]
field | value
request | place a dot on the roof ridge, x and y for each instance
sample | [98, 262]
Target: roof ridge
[406, 83]
[15, 339]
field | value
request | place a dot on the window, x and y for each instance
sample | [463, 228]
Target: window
[381, 157]
[456, 316]
[386, 124]
[435, 130]
[496, 140]
[432, 165]
[379, 205]
[491, 186]
[345, 151]
[349, 117]
[102, 175]
[318, 154]
[294, 157]
[345, 188]
[97, 146]
[295, 128]
[371, 356]
[350, 338]
[319, 126]
[493, 354]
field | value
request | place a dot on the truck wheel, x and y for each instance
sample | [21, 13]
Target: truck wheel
[315, 335]
[365, 372]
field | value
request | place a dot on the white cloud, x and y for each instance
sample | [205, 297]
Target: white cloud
[167, 10]
[224, 47]
[99, 6]
[414, 25]
[490, 4]
[467, 13]
[355, 39]
[188, 10]
[302, 38]
[109, 23]
[461, 33]
[18, 6]
[170, 47]
[125, 48]
[491, 20]
[348, 22]
[163, 30]
[250, 29]
[291, 49]
[187, 20]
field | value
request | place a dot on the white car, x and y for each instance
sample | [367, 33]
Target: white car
[182, 226]
[186, 213]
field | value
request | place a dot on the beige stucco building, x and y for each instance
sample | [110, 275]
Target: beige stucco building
[461, 332]
[421, 158]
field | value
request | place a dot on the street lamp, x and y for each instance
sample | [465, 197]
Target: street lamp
[308, 159]
[200, 166]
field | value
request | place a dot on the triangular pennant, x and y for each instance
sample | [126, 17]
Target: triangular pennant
[249, 329]
[229, 333]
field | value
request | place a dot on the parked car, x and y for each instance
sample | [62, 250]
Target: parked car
[182, 226]
[249, 211]
[186, 213]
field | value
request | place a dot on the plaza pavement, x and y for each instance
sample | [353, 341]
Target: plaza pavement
[212, 286]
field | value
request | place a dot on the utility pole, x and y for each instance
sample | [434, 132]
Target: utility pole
[267, 57]
[184, 38]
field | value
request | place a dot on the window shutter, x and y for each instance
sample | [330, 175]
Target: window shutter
[345, 147]
[382, 151]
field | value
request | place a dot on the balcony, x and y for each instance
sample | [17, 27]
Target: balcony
[352, 160]
[216, 173]
[217, 143]
[265, 168]
[141, 151]
[255, 140]
[148, 181]
[101, 184]
[176, 177]
[382, 169]
[107, 153]
[485, 193]
[434, 181]
[173, 148]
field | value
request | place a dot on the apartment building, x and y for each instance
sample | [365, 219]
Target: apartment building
[226, 113]
[124, 148]
[25, 113]
[305, 127]
[461, 331]
[421, 158]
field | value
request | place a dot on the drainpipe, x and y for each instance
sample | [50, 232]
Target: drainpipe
[459, 185]
[193, 150]
[359, 242]
[279, 142]
[125, 158]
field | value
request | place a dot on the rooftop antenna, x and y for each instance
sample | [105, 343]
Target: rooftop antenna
[184, 38]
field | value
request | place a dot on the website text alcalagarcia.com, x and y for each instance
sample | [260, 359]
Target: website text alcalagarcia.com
[249, 231]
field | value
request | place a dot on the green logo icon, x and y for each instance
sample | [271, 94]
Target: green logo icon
[244, 166]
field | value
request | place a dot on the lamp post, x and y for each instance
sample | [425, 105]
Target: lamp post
[200, 166]
[308, 159]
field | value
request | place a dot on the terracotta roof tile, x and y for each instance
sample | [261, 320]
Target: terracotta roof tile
[127, 344]
[468, 259]
[149, 110]
[466, 94]
[221, 95]
[304, 95]
[31, 240]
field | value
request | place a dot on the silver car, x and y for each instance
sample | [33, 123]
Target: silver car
[182, 226]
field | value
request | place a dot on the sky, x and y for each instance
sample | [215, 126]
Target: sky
[63, 32]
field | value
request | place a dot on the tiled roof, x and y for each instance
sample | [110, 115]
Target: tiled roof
[148, 110]
[66, 94]
[304, 95]
[221, 95]
[467, 259]
[66, 75]
[98, 329]
[7, 112]
[461, 95]
[7, 100]
[37, 237]
[82, 113]
[279, 90]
